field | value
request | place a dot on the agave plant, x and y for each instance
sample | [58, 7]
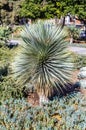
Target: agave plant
[44, 59]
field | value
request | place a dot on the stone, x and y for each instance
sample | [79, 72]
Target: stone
[83, 69]
[82, 74]
[83, 83]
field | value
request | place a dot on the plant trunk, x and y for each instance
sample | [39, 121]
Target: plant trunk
[43, 99]
[71, 40]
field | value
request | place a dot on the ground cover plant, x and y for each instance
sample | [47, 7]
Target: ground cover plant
[67, 113]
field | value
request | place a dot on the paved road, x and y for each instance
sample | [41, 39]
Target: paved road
[78, 50]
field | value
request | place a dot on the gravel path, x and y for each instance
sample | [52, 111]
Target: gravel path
[78, 50]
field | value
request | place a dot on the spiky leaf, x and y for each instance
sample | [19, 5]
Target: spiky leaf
[44, 58]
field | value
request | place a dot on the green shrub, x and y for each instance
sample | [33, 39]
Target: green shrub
[1, 43]
[74, 32]
[8, 87]
[63, 114]
[5, 33]
[5, 56]
[79, 61]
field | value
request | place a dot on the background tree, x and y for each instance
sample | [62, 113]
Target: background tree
[30, 9]
[9, 9]
[42, 9]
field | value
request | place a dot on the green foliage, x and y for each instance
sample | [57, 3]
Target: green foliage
[74, 32]
[74, 7]
[9, 9]
[8, 87]
[49, 8]
[47, 11]
[43, 58]
[16, 32]
[4, 34]
[79, 61]
[63, 114]
[41, 9]
[5, 55]
[30, 9]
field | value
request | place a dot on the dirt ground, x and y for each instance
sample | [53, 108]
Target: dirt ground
[74, 76]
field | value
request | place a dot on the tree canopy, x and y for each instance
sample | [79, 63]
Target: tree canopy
[45, 9]
[52, 8]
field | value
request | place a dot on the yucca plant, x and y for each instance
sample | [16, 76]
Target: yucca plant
[44, 59]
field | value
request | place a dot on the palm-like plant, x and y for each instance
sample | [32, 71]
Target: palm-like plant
[44, 59]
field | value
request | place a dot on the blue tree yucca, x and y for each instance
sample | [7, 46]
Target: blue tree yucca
[44, 59]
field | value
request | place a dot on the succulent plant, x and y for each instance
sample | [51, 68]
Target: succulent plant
[44, 59]
[64, 114]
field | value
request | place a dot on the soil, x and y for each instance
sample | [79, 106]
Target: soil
[33, 98]
[74, 76]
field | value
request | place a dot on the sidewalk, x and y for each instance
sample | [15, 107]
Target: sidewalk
[78, 50]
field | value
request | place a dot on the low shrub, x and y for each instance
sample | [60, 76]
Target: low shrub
[5, 56]
[67, 113]
[8, 87]
[79, 61]
[17, 31]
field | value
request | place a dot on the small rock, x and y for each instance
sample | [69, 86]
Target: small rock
[83, 69]
[83, 84]
[82, 75]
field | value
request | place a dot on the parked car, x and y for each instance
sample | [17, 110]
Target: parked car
[83, 34]
[79, 26]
